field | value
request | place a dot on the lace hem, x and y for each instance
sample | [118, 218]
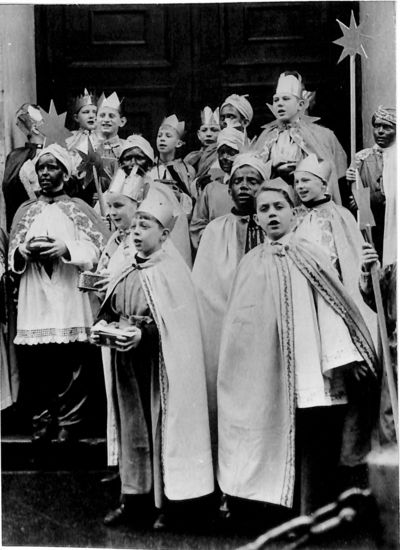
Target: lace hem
[52, 336]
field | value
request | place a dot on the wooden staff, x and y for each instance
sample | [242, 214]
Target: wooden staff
[387, 362]
[99, 192]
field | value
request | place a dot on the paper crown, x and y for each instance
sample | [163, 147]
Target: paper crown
[313, 165]
[136, 140]
[29, 118]
[232, 137]
[173, 121]
[290, 84]
[159, 206]
[210, 117]
[387, 114]
[87, 98]
[280, 185]
[112, 101]
[133, 186]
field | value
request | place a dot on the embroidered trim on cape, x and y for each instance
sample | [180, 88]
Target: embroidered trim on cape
[52, 335]
[287, 331]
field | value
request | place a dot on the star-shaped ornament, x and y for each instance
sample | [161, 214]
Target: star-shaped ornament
[53, 126]
[91, 162]
[351, 39]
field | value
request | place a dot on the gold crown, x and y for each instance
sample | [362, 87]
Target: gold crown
[112, 101]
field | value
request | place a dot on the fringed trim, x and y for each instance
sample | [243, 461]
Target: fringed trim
[52, 336]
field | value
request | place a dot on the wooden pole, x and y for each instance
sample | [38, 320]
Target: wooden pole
[99, 191]
[387, 362]
[353, 107]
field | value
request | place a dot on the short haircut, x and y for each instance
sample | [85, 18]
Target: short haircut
[265, 187]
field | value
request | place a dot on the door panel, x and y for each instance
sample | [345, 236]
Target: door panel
[178, 58]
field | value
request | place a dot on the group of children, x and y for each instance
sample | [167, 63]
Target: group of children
[239, 354]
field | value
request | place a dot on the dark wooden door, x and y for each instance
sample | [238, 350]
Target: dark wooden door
[178, 58]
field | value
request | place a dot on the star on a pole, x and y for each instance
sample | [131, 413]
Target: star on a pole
[53, 126]
[351, 39]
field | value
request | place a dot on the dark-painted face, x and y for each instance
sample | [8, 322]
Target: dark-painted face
[226, 157]
[134, 157]
[230, 115]
[51, 174]
[384, 132]
[243, 187]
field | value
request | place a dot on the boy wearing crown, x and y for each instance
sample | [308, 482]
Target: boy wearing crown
[225, 241]
[136, 162]
[292, 136]
[158, 373]
[376, 168]
[292, 401]
[20, 180]
[110, 119]
[236, 111]
[214, 199]
[331, 227]
[171, 171]
[207, 134]
[84, 114]
[52, 238]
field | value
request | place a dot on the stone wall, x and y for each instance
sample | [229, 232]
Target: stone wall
[379, 70]
[17, 75]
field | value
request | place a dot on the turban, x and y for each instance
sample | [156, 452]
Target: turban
[231, 137]
[241, 104]
[253, 160]
[135, 140]
[387, 114]
[60, 154]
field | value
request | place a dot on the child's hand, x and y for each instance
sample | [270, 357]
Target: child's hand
[95, 338]
[25, 253]
[351, 174]
[285, 167]
[125, 343]
[360, 371]
[103, 284]
[54, 249]
[369, 257]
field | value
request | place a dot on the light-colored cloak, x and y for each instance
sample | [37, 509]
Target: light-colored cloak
[256, 377]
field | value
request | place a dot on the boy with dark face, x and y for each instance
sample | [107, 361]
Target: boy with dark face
[224, 242]
[53, 238]
[237, 111]
[285, 386]
[370, 165]
[215, 200]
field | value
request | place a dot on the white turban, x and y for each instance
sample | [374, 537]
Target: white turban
[231, 137]
[135, 140]
[241, 104]
[253, 160]
[60, 154]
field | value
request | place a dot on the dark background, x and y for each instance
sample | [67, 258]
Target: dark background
[167, 59]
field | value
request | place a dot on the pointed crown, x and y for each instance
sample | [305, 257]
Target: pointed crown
[159, 206]
[87, 98]
[290, 84]
[132, 186]
[173, 121]
[317, 167]
[210, 117]
[112, 101]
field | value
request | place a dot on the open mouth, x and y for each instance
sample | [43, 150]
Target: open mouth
[273, 224]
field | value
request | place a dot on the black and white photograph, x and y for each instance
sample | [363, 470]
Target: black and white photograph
[198, 275]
